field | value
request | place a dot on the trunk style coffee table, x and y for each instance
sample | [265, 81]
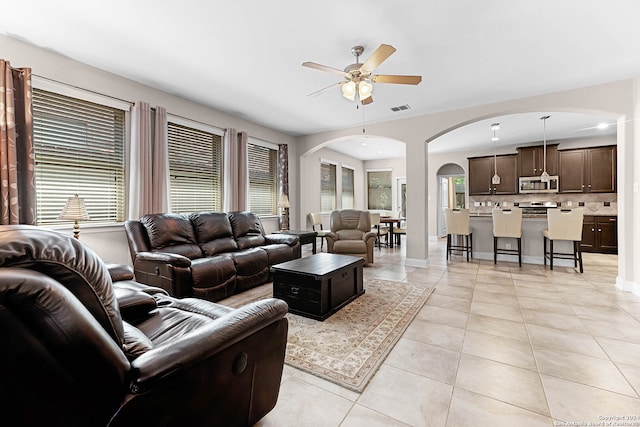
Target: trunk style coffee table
[318, 285]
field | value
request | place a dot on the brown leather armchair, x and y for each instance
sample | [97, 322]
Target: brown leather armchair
[351, 234]
[81, 350]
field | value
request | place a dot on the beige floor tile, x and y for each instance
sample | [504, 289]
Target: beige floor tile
[612, 330]
[556, 339]
[407, 397]
[499, 327]
[620, 351]
[578, 403]
[493, 297]
[632, 374]
[503, 289]
[452, 303]
[496, 310]
[443, 316]
[544, 305]
[359, 416]
[499, 349]
[437, 334]
[471, 409]
[456, 292]
[553, 320]
[582, 369]
[510, 384]
[427, 360]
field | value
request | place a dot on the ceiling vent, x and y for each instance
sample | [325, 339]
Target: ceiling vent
[400, 108]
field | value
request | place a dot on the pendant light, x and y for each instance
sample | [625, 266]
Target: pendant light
[496, 178]
[545, 176]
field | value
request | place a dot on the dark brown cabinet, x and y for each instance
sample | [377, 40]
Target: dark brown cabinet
[588, 170]
[531, 160]
[481, 171]
[600, 234]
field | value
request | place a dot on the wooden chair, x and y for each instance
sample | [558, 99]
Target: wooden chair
[379, 229]
[401, 230]
[507, 223]
[457, 222]
[315, 218]
[563, 224]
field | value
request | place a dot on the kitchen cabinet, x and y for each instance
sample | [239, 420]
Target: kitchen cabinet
[588, 170]
[600, 234]
[531, 160]
[481, 171]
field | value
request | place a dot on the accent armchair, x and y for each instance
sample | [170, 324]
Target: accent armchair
[351, 234]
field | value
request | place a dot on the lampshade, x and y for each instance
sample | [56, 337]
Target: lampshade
[364, 89]
[284, 201]
[349, 90]
[74, 210]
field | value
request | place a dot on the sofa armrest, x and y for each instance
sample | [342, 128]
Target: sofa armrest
[205, 343]
[369, 236]
[165, 257]
[281, 238]
[120, 272]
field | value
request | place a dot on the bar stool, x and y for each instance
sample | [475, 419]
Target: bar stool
[457, 223]
[507, 223]
[316, 220]
[563, 224]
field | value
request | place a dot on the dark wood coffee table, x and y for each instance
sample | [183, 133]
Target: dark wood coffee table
[318, 285]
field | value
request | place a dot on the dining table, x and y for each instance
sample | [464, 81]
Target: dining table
[391, 221]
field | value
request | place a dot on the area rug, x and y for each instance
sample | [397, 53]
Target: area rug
[348, 347]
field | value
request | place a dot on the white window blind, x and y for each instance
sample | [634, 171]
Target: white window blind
[379, 190]
[195, 169]
[327, 187]
[263, 179]
[79, 148]
[347, 188]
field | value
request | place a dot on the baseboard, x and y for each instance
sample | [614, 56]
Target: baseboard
[420, 263]
[629, 286]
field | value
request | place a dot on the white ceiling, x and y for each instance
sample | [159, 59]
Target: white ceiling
[244, 57]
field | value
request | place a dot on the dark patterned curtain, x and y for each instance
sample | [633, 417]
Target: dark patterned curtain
[17, 160]
[283, 179]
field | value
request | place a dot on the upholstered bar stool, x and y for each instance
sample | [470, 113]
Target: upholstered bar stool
[457, 222]
[507, 223]
[563, 225]
[316, 221]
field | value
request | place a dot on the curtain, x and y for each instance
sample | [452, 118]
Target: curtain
[17, 159]
[235, 170]
[283, 179]
[148, 161]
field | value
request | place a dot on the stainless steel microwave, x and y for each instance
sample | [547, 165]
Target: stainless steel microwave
[534, 184]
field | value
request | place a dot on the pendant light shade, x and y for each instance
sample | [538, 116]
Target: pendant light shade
[545, 176]
[496, 178]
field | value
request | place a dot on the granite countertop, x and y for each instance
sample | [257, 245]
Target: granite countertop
[488, 215]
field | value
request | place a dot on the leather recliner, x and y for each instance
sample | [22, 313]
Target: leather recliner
[351, 234]
[83, 347]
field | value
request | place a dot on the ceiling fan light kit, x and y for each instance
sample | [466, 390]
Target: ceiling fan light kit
[359, 78]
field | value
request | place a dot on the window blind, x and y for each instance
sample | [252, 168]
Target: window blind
[347, 188]
[79, 148]
[379, 189]
[327, 187]
[195, 169]
[263, 179]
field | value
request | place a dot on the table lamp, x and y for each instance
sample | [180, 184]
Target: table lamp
[285, 205]
[75, 210]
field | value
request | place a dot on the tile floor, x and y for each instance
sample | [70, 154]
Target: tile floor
[493, 346]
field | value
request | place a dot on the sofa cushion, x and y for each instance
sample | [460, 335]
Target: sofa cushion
[278, 253]
[213, 231]
[213, 277]
[171, 233]
[247, 229]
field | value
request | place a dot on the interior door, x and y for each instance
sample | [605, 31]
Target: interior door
[443, 203]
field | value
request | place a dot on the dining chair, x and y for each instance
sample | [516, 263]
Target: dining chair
[457, 223]
[401, 230]
[381, 230]
[563, 224]
[507, 223]
[315, 218]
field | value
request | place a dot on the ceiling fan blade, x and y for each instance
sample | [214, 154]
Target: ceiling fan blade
[378, 57]
[318, 92]
[323, 68]
[403, 80]
[367, 101]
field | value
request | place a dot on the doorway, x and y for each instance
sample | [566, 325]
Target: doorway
[451, 192]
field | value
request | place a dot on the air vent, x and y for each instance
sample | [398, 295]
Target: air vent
[400, 108]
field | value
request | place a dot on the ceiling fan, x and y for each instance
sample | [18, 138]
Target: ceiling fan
[359, 77]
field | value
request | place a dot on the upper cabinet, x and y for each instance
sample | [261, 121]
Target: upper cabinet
[481, 171]
[588, 170]
[531, 160]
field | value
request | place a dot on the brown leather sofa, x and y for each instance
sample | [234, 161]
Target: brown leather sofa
[83, 347]
[209, 255]
[351, 234]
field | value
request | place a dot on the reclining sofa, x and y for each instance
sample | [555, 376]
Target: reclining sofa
[83, 345]
[209, 255]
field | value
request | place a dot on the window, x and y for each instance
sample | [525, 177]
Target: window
[195, 169]
[347, 188]
[379, 190]
[263, 179]
[327, 187]
[79, 148]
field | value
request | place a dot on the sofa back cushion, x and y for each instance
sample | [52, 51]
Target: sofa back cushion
[214, 233]
[247, 229]
[171, 233]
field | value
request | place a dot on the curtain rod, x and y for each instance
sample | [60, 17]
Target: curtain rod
[82, 88]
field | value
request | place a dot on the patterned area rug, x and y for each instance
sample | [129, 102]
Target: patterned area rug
[348, 347]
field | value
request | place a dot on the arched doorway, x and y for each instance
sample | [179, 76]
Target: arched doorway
[451, 192]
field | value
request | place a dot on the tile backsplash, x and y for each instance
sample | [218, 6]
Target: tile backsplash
[594, 203]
